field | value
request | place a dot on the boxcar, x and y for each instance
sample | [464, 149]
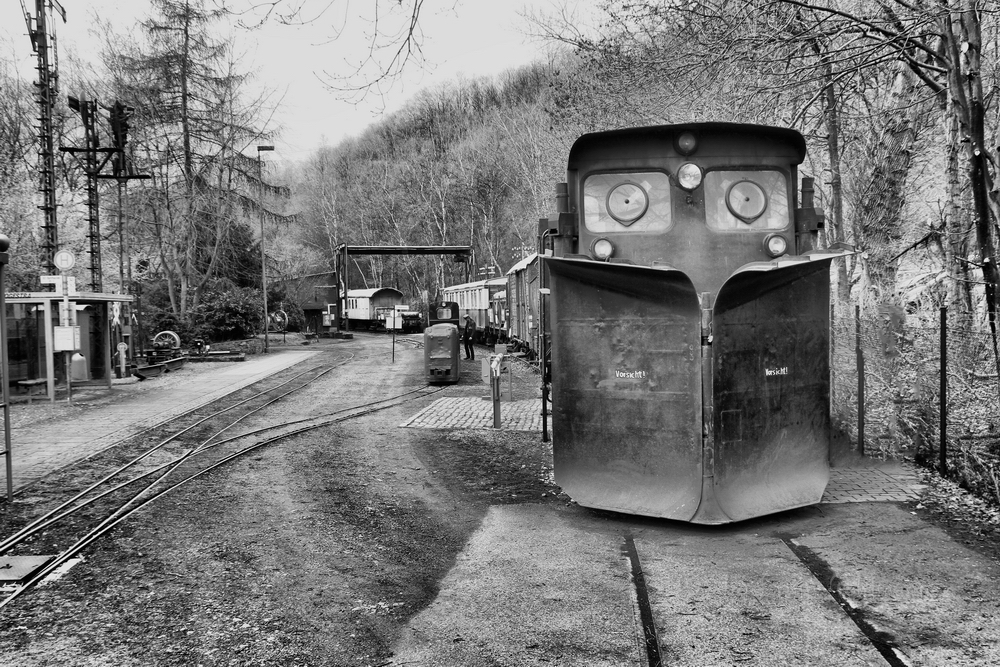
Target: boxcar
[524, 325]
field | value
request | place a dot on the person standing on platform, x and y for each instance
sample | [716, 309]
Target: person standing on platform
[468, 336]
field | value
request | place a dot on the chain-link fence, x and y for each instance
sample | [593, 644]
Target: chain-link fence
[902, 412]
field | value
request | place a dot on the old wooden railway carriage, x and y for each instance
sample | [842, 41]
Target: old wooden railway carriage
[475, 299]
[689, 321]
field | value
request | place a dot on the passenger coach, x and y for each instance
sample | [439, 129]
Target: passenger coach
[475, 300]
[689, 321]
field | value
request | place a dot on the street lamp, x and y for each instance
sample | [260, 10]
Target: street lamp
[5, 369]
[263, 262]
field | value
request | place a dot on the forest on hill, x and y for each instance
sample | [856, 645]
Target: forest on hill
[896, 101]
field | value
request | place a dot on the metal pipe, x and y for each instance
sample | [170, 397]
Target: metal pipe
[543, 328]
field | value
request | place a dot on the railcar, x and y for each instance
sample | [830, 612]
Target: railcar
[475, 299]
[370, 308]
[402, 319]
[688, 311]
[524, 324]
[498, 310]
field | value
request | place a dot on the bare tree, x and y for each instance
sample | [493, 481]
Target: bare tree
[17, 188]
[391, 29]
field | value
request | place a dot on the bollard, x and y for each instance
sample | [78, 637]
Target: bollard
[495, 365]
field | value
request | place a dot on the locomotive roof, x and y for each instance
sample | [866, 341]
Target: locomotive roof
[784, 135]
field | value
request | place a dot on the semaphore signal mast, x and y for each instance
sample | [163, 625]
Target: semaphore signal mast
[47, 89]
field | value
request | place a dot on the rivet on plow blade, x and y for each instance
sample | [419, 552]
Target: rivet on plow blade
[15, 569]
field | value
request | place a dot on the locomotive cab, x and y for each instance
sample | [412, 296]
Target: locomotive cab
[689, 324]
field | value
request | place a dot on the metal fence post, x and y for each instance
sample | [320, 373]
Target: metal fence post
[943, 448]
[861, 380]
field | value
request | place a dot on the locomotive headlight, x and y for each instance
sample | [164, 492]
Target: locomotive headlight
[775, 245]
[602, 249]
[689, 176]
[686, 143]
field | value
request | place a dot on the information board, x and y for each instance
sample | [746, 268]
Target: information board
[66, 339]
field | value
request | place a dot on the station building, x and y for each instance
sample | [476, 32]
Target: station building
[41, 353]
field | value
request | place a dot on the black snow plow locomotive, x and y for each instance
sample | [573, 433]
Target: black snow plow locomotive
[688, 312]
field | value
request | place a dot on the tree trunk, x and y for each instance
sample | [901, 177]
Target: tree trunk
[835, 221]
[987, 207]
[882, 207]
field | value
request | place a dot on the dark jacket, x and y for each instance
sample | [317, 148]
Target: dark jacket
[470, 330]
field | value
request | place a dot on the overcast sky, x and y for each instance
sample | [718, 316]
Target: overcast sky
[460, 38]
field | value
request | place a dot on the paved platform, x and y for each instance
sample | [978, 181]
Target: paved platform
[864, 481]
[882, 482]
[477, 412]
[40, 447]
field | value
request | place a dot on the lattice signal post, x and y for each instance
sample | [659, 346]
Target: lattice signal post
[47, 88]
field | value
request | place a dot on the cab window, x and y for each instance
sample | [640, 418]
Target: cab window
[746, 200]
[627, 202]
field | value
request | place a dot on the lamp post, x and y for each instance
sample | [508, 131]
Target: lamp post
[5, 369]
[263, 261]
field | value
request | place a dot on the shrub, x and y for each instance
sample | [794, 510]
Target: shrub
[229, 314]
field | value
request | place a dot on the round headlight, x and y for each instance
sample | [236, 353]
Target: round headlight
[689, 176]
[685, 143]
[775, 245]
[602, 249]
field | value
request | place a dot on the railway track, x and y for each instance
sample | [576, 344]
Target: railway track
[177, 422]
[202, 444]
[882, 641]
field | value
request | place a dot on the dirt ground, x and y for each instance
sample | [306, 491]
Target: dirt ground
[314, 551]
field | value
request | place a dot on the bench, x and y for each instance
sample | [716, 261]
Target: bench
[34, 387]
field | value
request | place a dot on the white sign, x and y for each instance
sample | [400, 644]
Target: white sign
[68, 283]
[66, 339]
[64, 260]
